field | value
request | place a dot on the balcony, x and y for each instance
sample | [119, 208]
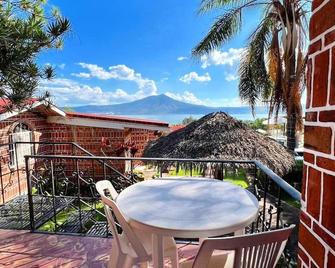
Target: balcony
[61, 199]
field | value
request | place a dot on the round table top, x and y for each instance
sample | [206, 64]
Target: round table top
[188, 207]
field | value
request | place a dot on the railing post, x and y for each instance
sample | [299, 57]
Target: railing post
[104, 169]
[93, 171]
[17, 168]
[30, 196]
[34, 148]
[278, 207]
[53, 194]
[78, 195]
[160, 169]
[191, 169]
[2, 189]
[254, 180]
[265, 191]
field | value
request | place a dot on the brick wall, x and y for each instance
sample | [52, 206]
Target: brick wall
[317, 221]
[13, 180]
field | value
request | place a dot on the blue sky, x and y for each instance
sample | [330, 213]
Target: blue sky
[120, 51]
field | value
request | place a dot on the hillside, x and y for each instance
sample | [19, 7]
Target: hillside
[160, 104]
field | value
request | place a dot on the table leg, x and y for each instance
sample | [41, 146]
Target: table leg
[157, 251]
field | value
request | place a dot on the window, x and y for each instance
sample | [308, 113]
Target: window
[20, 133]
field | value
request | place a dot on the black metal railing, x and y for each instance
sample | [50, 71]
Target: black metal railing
[13, 164]
[62, 196]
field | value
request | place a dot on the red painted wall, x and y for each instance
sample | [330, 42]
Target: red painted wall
[317, 222]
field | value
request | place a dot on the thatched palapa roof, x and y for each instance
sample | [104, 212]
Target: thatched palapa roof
[220, 136]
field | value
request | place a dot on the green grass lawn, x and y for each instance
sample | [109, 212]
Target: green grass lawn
[183, 172]
[239, 181]
[62, 216]
[239, 178]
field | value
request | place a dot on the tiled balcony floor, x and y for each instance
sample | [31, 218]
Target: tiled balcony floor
[25, 249]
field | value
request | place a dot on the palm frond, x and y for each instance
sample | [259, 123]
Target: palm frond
[257, 47]
[208, 5]
[58, 27]
[275, 70]
[248, 91]
[254, 78]
[224, 28]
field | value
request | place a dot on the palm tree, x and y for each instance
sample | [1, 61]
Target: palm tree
[273, 65]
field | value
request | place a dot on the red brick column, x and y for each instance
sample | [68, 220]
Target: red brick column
[317, 222]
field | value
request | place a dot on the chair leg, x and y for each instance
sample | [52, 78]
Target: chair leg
[174, 258]
[144, 264]
[128, 262]
[117, 259]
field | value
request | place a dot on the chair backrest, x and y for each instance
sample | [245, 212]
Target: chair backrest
[106, 186]
[255, 250]
[111, 208]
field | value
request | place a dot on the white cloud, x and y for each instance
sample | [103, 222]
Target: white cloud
[67, 92]
[231, 77]
[186, 96]
[81, 75]
[181, 58]
[217, 57]
[189, 97]
[62, 66]
[193, 76]
[119, 72]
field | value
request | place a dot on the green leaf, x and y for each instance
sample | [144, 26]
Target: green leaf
[224, 28]
[24, 33]
[208, 5]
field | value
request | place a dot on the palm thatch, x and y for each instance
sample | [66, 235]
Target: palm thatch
[220, 136]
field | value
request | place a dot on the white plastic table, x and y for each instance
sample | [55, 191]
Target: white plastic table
[186, 208]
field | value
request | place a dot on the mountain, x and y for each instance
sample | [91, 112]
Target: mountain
[159, 104]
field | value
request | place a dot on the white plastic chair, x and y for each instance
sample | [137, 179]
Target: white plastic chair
[131, 246]
[106, 186]
[260, 250]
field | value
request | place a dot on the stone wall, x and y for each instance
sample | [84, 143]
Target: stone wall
[317, 227]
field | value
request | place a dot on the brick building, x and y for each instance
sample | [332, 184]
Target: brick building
[317, 227]
[47, 123]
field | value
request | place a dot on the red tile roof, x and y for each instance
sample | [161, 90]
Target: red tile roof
[118, 118]
[176, 127]
[5, 103]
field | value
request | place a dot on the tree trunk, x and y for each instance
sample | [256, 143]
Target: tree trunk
[290, 131]
[291, 109]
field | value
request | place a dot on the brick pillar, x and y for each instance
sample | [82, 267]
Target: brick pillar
[317, 221]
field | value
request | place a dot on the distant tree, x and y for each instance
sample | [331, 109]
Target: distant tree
[273, 66]
[257, 123]
[26, 29]
[188, 120]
